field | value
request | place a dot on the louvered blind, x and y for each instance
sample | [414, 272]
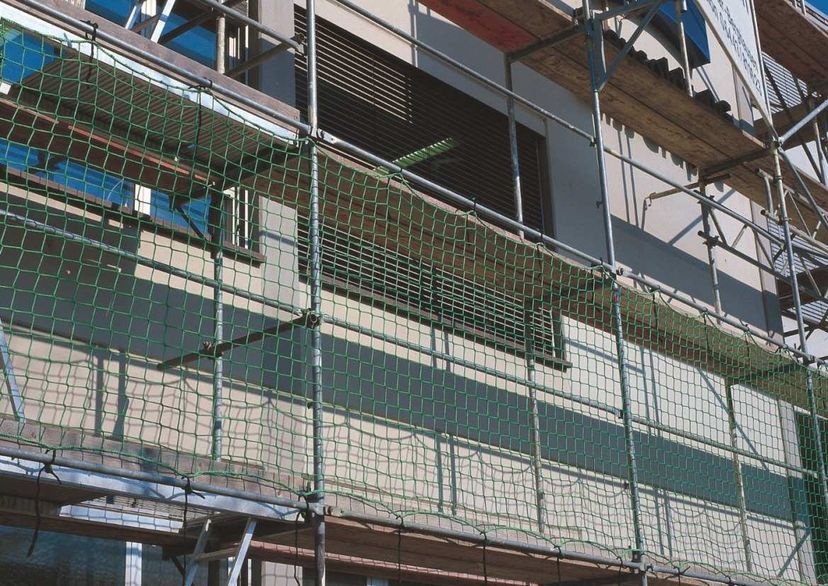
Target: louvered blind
[392, 108]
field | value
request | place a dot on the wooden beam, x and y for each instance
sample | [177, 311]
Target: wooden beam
[49, 492]
[484, 23]
[93, 529]
[379, 546]
[794, 40]
[383, 543]
[348, 564]
[820, 275]
[782, 123]
[75, 141]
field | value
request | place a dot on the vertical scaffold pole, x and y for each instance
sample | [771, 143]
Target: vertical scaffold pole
[314, 322]
[595, 48]
[681, 8]
[221, 44]
[800, 324]
[739, 477]
[513, 141]
[218, 323]
[537, 454]
[710, 243]
[800, 528]
[819, 143]
[218, 276]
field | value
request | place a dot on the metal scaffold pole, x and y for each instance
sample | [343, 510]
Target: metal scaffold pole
[710, 243]
[218, 325]
[513, 141]
[819, 144]
[681, 9]
[595, 47]
[800, 323]
[537, 462]
[800, 527]
[314, 321]
[733, 425]
[534, 413]
[218, 275]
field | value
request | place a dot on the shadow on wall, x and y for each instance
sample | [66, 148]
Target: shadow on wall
[577, 220]
[649, 255]
[75, 292]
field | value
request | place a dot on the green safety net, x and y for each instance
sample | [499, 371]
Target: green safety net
[469, 375]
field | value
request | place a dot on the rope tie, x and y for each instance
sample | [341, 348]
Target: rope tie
[48, 469]
[621, 569]
[187, 490]
[93, 39]
[558, 562]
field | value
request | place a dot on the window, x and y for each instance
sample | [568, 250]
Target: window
[190, 215]
[241, 214]
[25, 56]
[195, 215]
[405, 115]
[197, 43]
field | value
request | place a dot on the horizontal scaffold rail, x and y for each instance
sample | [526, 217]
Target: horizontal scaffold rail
[441, 332]
[677, 335]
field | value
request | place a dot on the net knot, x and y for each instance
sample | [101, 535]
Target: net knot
[305, 512]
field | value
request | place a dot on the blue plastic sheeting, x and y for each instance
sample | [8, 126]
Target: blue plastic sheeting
[695, 30]
[198, 43]
[24, 55]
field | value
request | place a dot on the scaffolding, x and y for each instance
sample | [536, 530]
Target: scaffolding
[431, 426]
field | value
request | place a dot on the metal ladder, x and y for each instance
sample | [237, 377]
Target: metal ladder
[238, 553]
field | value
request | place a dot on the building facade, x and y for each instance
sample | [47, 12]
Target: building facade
[483, 291]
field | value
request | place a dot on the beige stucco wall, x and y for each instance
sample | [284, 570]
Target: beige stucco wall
[103, 380]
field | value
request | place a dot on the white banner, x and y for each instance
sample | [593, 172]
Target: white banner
[733, 25]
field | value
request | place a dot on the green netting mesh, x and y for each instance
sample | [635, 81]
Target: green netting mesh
[468, 374]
